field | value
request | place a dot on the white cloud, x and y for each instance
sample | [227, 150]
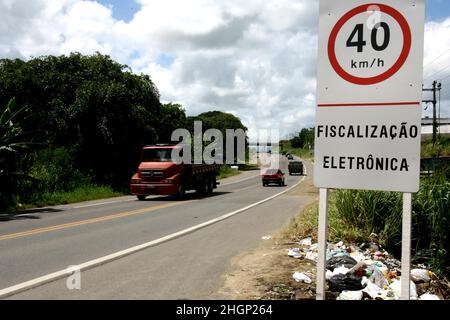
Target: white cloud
[256, 59]
[437, 62]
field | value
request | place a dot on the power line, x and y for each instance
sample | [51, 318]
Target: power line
[445, 78]
[434, 74]
[429, 63]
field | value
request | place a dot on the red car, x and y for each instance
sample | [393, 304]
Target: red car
[273, 176]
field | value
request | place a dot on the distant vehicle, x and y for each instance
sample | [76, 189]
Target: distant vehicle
[290, 156]
[275, 176]
[158, 174]
[295, 167]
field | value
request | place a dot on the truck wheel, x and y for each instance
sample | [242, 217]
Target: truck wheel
[209, 186]
[141, 198]
[201, 187]
[181, 194]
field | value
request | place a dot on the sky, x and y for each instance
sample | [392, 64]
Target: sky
[255, 59]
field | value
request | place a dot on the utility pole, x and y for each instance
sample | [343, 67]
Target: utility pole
[436, 86]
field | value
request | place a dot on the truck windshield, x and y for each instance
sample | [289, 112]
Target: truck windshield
[157, 155]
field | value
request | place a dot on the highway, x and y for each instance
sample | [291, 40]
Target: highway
[187, 265]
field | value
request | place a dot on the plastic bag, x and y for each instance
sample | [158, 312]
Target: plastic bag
[301, 277]
[311, 256]
[336, 262]
[306, 242]
[350, 295]
[428, 296]
[396, 287]
[343, 282]
[295, 253]
[420, 275]
[378, 278]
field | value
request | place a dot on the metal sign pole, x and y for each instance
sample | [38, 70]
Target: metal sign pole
[322, 244]
[406, 246]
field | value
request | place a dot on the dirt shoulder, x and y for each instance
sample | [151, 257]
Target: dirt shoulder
[266, 272]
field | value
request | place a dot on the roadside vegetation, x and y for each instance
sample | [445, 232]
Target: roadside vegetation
[72, 128]
[227, 172]
[355, 216]
[301, 145]
[54, 179]
[439, 149]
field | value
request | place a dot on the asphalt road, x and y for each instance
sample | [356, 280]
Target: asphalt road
[188, 267]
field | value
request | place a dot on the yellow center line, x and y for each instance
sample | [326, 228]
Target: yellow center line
[88, 221]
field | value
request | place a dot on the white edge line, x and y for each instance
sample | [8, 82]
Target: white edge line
[103, 260]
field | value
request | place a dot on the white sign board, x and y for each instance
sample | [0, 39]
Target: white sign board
[369, 92]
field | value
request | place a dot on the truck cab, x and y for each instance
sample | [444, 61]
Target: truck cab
[159, 174]
[295, 167]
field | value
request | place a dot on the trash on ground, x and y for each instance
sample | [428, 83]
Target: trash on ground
[336, 253]
[358, 256]
[420, 275]
[396, 286]
[342, 282]
[266, 238]
[377, 277]
[338, 261]
[306, 242]
[295, 253]
[340, 270]
[428, 296]
[301, 277]
[368, 272]
[311, 256]
[350, 295]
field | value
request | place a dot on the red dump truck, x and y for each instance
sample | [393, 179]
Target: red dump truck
[158, 174]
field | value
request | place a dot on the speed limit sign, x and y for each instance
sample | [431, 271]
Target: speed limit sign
[369, 91]
[368, 116]
[381, 49]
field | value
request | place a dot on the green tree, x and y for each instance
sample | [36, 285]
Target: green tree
[13, 144]
[221, 121]
[173, 116]
[304, 140]
[96, 108]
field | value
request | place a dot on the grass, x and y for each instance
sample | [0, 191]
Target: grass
[226, 172]
[79, 194]
[248, 167]
[304, 225]
[299, 152]
[355, 215]
[440, 149]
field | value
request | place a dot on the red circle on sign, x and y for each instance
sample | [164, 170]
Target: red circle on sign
[398, 64]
